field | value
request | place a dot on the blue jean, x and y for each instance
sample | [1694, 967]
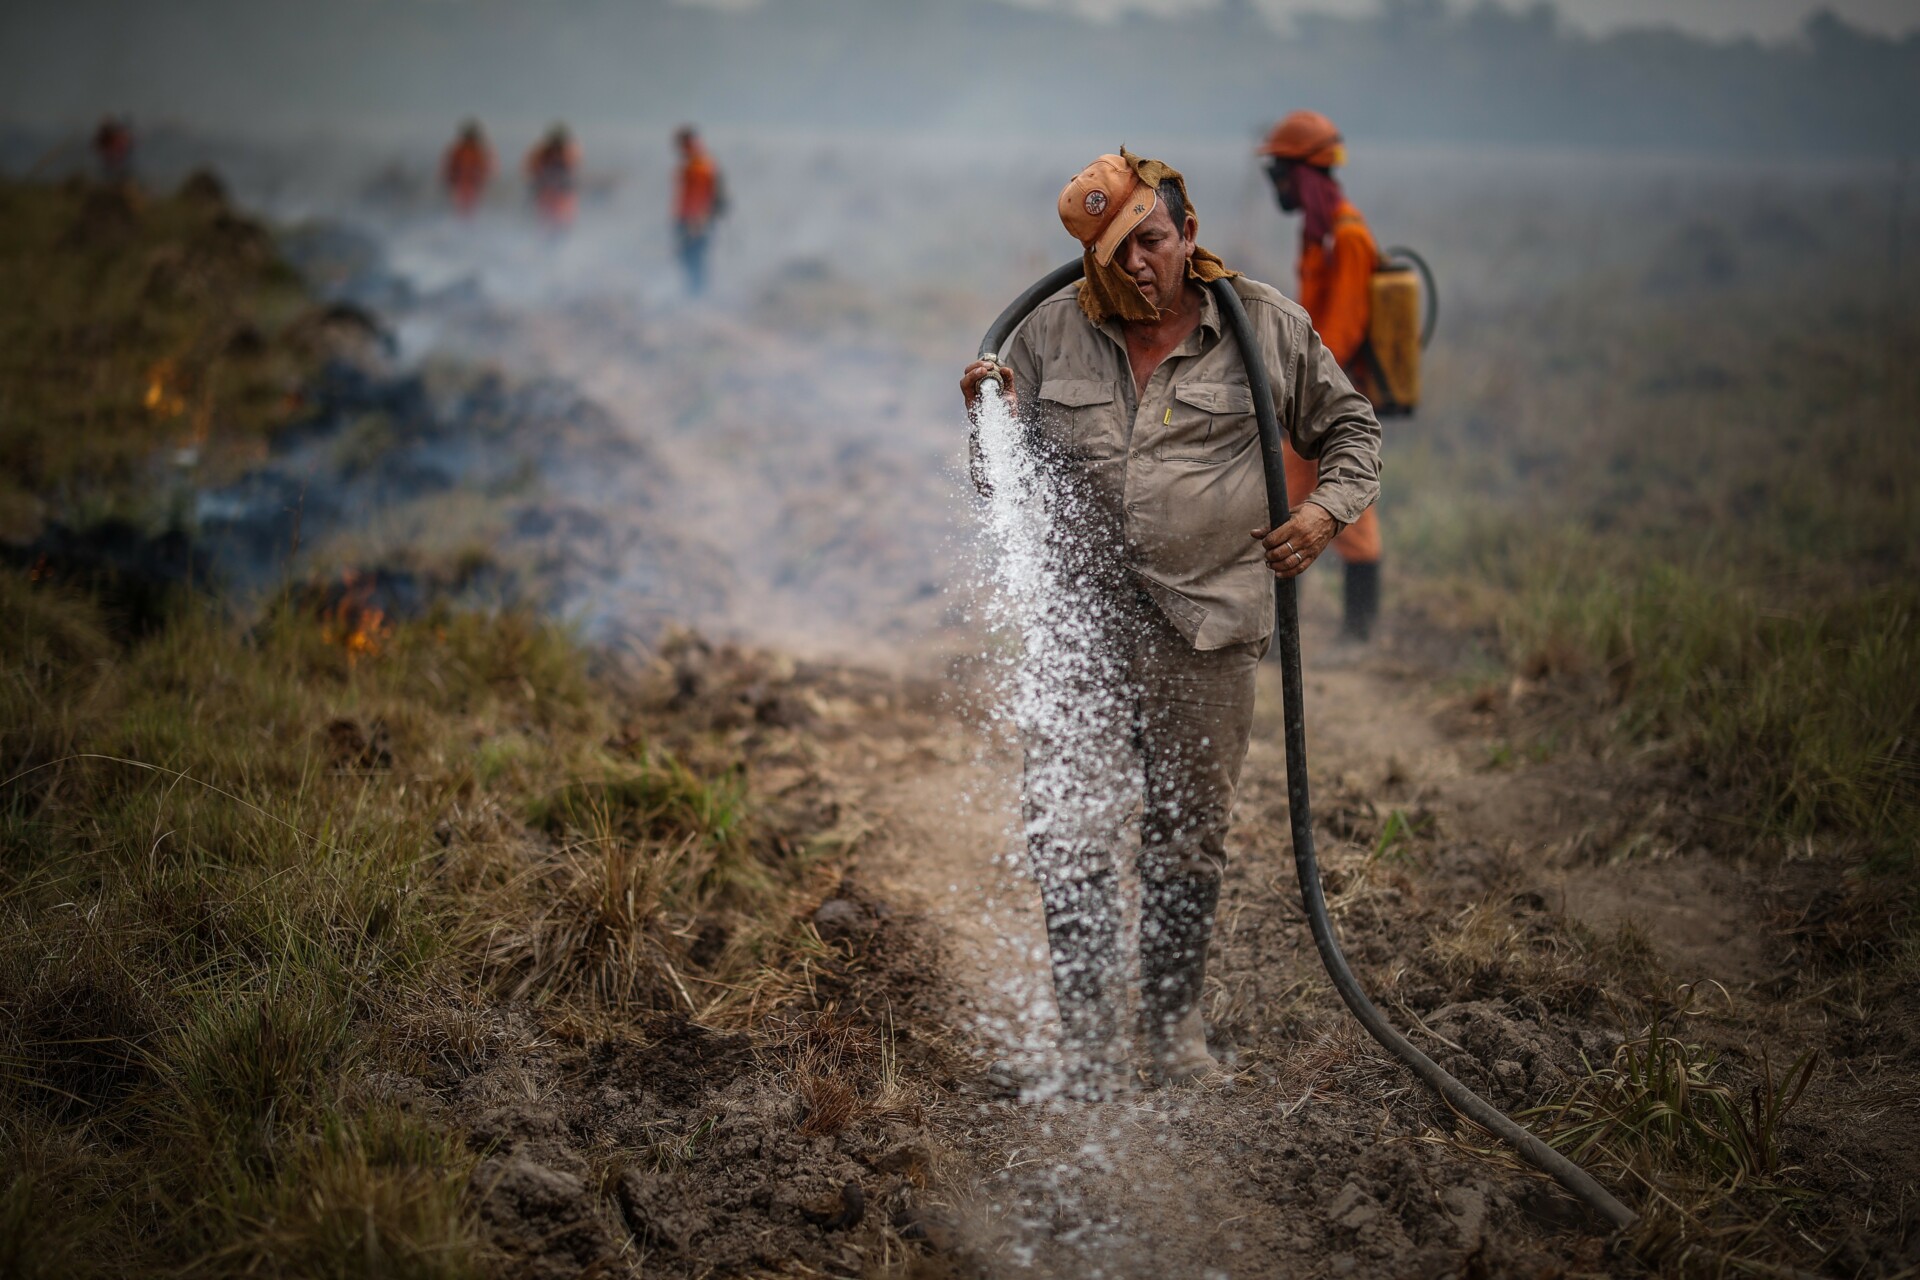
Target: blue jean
[693, 256]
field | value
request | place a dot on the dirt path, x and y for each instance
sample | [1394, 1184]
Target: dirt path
[1326, 1158]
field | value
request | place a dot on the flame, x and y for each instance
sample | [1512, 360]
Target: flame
[354, 622]
[164, 398]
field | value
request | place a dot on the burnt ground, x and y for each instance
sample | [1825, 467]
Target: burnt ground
[1520, 911]
[850, 1132]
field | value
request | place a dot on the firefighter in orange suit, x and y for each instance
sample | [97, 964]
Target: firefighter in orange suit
[1337, 261]
[553, 171]
[467, 168]
[699, 200]
[113, 148]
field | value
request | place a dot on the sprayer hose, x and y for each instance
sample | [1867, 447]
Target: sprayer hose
[1429, 289]
[1287, 638]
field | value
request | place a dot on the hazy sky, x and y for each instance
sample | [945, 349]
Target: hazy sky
[1718, 18]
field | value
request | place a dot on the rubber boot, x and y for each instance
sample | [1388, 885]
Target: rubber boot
[1083, 931]
[1362, 602]
[1176, 926]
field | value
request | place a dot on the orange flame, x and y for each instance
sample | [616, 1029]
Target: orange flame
[354, 623]
[164, 398]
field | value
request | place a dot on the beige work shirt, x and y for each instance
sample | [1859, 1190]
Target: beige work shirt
[1169, 483]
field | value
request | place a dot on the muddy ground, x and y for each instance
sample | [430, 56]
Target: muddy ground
[778, 470]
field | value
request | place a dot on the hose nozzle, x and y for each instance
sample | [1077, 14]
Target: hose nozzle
[991, 385]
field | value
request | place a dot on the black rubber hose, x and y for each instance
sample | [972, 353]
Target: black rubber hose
[1429, 291]
[1286, 633]
[1287, 637]
[1021, 307]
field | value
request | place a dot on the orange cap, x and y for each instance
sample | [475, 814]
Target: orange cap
[1104, 203]
[1309, 138]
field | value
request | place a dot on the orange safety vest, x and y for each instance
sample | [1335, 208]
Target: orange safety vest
[469, 164]
[1336, 288]
[1336, 284]
[699, 181]
[552, 170]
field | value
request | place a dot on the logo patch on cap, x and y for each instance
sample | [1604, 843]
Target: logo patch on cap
[1096, 203]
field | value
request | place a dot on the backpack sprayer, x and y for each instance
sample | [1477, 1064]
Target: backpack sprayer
[1399, 327]
[1287, 637]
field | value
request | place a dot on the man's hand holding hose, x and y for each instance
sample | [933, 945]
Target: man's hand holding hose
[1299, 542]
[978, 372]
[970, 379]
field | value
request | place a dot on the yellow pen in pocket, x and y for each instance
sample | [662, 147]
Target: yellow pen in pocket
[1168, 420]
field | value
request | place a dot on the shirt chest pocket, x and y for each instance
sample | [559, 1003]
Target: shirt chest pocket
[1080, 415]
[1207, 422]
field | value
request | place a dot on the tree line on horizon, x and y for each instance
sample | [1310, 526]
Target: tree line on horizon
[1414, 71]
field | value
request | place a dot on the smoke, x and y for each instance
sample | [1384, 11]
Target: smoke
[1403, 71]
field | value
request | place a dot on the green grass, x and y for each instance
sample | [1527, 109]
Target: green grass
[219, 914]
[135, 324]
[1695, 519]
[1803, 711]
[1695, 1143]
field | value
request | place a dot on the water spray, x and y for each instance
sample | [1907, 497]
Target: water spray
[1287, 637]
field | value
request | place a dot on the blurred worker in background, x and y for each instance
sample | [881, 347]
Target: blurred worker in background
[699, 201]
[113, 148]
[467, 168]
[1337, 261]
[553, 171]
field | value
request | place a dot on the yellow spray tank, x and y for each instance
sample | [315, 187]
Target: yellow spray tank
[1399, 326]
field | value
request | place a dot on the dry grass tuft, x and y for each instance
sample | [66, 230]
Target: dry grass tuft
[1661, 1106]
[1506, 944]
[1697, 1151]
[844, 1069]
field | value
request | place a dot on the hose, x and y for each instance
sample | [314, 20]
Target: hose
[1287, 637]
[1429, 291]
[1021, 307]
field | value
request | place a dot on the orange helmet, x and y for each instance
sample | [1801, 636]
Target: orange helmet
[1308, 138]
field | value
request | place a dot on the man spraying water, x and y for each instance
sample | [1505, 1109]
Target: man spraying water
[1137, 522]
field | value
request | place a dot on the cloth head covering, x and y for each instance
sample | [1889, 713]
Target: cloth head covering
[1320, 197]
[1107, 292]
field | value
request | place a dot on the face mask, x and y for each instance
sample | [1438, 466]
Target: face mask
[1287, 196]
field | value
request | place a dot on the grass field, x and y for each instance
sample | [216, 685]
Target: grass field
[1689, 498]
[137, 325]
[1673, 496]
[247, 865]
[244, 869]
